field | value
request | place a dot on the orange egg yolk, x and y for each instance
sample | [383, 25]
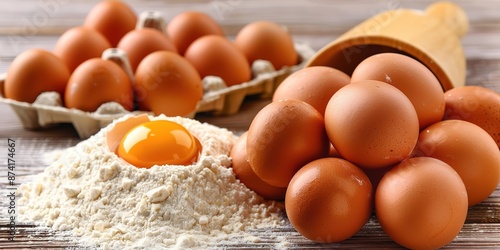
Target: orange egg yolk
[159, 142]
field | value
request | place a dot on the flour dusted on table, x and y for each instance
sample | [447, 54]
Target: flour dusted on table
[88, 189]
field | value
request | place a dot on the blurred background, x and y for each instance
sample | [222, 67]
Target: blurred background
[28, 23]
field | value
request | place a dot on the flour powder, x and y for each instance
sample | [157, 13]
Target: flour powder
[92, 192]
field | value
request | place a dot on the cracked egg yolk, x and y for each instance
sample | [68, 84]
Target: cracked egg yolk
[159, 142]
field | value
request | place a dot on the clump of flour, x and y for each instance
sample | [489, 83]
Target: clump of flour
[92, 192]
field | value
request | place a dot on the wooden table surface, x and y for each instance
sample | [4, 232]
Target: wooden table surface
[38, 23]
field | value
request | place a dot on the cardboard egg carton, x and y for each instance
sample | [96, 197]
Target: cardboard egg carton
[48, 109]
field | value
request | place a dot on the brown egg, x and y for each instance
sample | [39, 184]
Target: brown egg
[95, 82]
[214, 55]
[314, 85]
[329, 200]
[79, 44]
[141, 42]
[371, 124]
[33, 72]
[111, 18]
[421, 203]
[268, 41]
[411, 77]
[475, 104]
[469, 150]
[247, 176]
[166, 83]
[188, 26]
[283, 137]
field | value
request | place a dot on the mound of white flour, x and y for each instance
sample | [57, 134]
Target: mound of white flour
[89, 190]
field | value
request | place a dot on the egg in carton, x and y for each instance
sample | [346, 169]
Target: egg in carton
[48, 110]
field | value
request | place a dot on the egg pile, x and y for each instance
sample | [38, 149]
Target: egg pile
[386, 139]
[164, 67]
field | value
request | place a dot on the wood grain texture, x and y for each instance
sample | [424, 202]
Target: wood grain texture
[38, 23]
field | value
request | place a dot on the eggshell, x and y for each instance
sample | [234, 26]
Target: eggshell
[314, 85]
[410, 76]
[469, 150]
[141, 42]
[371, 124]
[247, 176]
[115, 134]
[166, 83]
[475, 104]
[79, 44]
[267, 41]
[329, 200]
[283, 137]
[188, 26]
[95, 82]
[112, 18]
[33, 72]
[214, 55]
[421, 203]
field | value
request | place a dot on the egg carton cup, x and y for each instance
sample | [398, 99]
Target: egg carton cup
[48, 110]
